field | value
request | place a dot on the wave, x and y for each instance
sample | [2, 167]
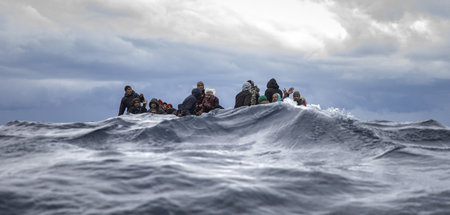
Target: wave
[281, 125]
[262, 159]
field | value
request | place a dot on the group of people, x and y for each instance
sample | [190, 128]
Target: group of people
[204, 100]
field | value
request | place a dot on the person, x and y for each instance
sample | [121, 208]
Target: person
[127, 99]
[263, 100]
[245, 96]
[201, 86]
[137, 108]
[169, 109]
[255, 93]
[300, 100]
[155, 108]
[272, 88]
[210, 102]
[189, 104]
[276, 97]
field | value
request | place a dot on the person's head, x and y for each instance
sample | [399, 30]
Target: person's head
[197, 92]
[200, 85]
[246, 86]
[296, 96]
[128, 90]
[154, 103]
[251, 83]
[272, 84]
[164, 105]
[263, 100]
[169, 106]
[136, 102]
[209, 93]
[276, 97]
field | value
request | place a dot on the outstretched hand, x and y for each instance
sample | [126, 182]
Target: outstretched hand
[291, 90]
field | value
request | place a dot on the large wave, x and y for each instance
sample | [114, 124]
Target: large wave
[259, 160]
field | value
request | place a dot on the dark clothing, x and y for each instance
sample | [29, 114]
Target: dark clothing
[272, 88]
[189, 104]
[244, 98]
[210, 104]
[125, 103]
[137, 110]
[302, 101]
[170, 111]
[198, 104]
[157, 109]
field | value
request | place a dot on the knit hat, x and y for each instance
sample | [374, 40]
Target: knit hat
[296, 94]
[262, 98]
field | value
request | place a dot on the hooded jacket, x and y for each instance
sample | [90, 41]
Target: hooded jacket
[157, 109]
[125, 103]
[189, 103]
[244, 98]
[272, 88]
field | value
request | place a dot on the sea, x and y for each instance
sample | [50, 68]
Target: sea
[265, 159]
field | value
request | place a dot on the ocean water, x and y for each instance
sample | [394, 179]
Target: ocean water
[265, 159]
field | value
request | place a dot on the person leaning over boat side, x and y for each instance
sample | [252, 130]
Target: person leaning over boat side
[244, 98]
[189, 104]
[155, 108]
[137, 108]
[127, 99]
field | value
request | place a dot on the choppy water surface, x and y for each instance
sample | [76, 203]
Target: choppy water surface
[266, 159]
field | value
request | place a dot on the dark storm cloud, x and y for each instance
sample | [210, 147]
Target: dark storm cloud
[69, 62]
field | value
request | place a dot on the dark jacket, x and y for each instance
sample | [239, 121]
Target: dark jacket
[272, 88]
[244, 98]
[157, 109]
[137, 110]
[125, 103]
[189, 104]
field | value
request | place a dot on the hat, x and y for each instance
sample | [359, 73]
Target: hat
[296, 93]
[210, 91]
[262, 98]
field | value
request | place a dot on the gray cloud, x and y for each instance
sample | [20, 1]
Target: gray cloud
[69, 61]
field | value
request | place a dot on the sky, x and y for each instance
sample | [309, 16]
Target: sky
[68, 61]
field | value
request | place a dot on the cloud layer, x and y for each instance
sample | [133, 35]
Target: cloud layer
[378, 58]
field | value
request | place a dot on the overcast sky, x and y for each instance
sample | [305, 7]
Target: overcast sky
[66, 61]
